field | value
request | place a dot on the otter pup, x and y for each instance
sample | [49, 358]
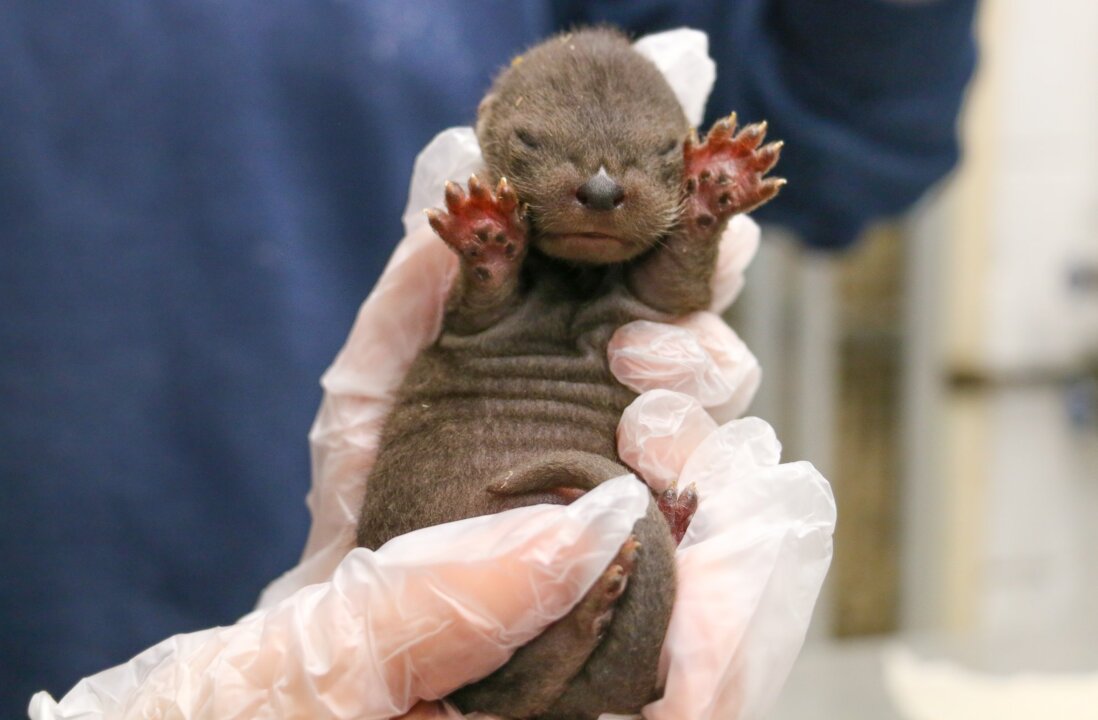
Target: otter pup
[606, 209]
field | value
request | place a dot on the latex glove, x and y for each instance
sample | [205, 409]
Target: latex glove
[753, 560]
[750, 566]
[423, 615]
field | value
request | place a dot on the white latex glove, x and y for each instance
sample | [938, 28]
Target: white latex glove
[752, 562]
[750, 566]
[420, 617]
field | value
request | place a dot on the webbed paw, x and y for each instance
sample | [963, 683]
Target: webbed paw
[679, 509]
[487, 230]
[724, 175]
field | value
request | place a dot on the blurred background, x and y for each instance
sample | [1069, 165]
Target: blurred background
[944, 373]
[195, 196]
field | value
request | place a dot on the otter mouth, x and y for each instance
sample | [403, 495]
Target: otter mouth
[596, 236]
[590, 247]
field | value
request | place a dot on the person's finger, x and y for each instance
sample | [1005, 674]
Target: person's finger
[698, 355]
[732, 451]
[735, 363]
[647, 355]
[658, 432]
[738, 246]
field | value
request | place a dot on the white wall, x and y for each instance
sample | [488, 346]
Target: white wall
[1042, 220]
[1001, 493]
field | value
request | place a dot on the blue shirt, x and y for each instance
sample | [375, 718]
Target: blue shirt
[195, 196]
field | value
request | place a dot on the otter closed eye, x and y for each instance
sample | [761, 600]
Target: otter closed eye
[527, 139]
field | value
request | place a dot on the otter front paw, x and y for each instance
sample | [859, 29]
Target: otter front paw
[724, 174]
[487, 230]
[679, 509]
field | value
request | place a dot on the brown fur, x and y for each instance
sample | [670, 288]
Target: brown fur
[515, 403]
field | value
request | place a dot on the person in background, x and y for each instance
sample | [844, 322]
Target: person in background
[196, 196]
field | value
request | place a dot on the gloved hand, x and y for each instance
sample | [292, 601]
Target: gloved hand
[425, 614]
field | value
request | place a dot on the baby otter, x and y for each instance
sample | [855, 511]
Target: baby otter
[606, 209]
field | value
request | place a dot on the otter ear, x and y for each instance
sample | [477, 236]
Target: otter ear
[484, 111]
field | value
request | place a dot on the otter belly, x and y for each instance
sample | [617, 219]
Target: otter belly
[463, 421]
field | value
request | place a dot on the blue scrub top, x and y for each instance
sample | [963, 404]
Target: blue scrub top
[195, 196]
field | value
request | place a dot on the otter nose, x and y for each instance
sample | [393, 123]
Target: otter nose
[601, 192]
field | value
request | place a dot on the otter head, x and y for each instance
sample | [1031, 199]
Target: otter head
[590, 135]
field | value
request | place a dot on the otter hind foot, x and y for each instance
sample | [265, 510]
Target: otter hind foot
[539, 672]
[679, 509]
